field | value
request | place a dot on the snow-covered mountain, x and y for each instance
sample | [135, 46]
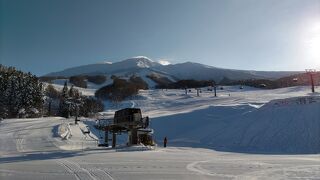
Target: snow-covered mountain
[133, 64]
[187, 70]
[191, 70]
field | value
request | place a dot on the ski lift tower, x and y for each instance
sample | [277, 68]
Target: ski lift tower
[311, 72]
[130, 121]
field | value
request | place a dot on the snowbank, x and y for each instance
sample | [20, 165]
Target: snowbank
[64, 131]
[281, 126]
[76, 136]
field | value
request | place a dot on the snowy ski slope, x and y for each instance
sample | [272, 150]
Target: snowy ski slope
[277, 129]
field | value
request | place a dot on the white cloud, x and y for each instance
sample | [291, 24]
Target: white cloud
[164, 62]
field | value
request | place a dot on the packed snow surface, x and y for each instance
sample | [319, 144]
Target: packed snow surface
[241, 134]
[238, 120]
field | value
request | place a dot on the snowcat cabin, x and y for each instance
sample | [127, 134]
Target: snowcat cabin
[127, 116]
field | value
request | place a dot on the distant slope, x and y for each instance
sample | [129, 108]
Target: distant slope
[274, 74]
[190, 70]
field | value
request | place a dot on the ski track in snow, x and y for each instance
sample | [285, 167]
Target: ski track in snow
[284, 173]
[275, 172]
[84, 173]
[79, 172]
[196, 167]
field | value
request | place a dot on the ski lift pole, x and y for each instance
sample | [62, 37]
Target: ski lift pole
[106, 137]
[312, 83]
[311, 72]
[77, 114]
[77, 103]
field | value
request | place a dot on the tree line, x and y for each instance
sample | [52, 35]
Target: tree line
[72, 103]
[121, 89]
[77, 80]
[20, 93]
[24, 95]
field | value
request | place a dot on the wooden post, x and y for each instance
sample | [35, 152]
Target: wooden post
[68, 115]
[114, 139]
[106, 137]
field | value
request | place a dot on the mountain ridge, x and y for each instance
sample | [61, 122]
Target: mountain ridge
[185, 70]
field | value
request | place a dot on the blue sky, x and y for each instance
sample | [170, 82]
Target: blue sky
[43, 36]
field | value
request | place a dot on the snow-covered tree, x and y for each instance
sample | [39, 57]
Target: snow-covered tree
[91, 106]
[73, 104]
[19, 91]
[64, 105]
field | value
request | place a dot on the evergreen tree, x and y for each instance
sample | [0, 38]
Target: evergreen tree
[90, 106]
[51, 92]
[64, 93]
[71, 91]
[19, 92]
[64, 105]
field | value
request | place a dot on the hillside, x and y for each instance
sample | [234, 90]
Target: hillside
[280, 126]
[187, 70]
[251, 120]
